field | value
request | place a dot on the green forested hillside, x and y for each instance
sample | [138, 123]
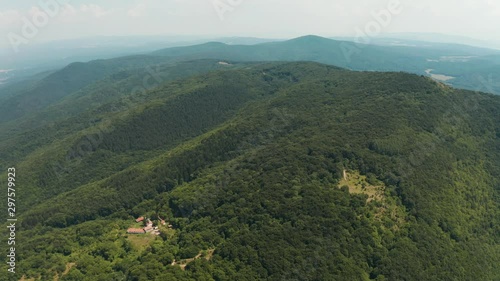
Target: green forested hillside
[80, 109]
[30, 103]
[271, 171]
[52, 88]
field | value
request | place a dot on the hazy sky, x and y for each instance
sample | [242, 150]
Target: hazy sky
[260, 18]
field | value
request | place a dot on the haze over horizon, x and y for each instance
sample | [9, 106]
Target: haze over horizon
[222, 18]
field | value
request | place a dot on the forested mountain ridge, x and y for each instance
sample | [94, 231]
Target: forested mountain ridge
[275, 171]
[78, 109]
[50, 89]
[31, 109]
[57, 85]
[142, 122]
[461, 66]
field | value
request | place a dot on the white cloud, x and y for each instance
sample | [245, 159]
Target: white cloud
[494, 7]
[9, 17]
[68, 11]
[95, 10]
[138, 11]
[69, 14]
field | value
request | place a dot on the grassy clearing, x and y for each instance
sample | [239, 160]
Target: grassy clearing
[140, 241]
[387, 210]
[202, 254]
[358, 184]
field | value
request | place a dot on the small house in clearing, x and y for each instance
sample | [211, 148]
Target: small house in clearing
[162, 221]
[148, 227]
[136, 231]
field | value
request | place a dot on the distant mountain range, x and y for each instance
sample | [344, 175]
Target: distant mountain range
[42, 57]
[470, 68]
[445, 38]
[464, 66]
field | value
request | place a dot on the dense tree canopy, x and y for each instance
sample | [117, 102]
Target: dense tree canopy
[276, 171]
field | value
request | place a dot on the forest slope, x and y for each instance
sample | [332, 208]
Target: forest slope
[249, 162]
